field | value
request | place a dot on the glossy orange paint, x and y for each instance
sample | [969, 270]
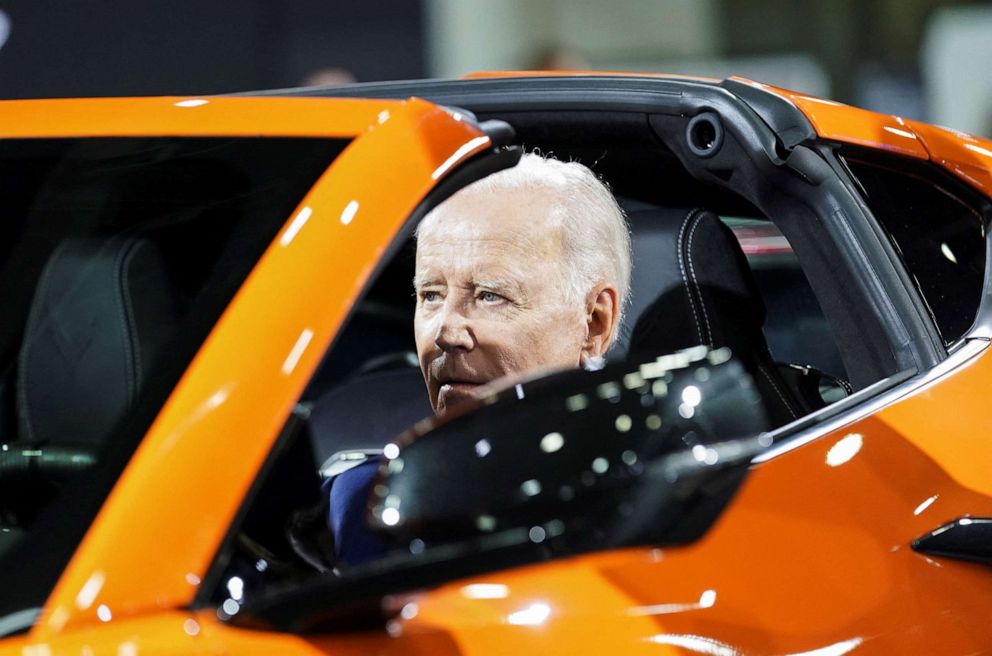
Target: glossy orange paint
[965, 155]
[173, 116]
[840, 122]
[164, 634]
[200, 455]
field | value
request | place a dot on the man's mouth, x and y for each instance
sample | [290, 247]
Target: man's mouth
[456, 391]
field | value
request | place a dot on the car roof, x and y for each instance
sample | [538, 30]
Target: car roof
[969, 157]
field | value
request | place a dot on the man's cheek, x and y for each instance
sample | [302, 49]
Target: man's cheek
[423, 334]
[559, 342]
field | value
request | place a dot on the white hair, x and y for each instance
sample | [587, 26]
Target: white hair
[594, 231]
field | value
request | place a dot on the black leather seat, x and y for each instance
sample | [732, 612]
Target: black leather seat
[704, 294]
[367, 411]
[103, 312]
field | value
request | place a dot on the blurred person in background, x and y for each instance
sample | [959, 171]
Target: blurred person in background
[560, 58]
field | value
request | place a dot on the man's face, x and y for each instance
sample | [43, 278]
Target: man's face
[491, 299]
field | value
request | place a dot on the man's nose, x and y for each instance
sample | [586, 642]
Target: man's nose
[455, 332]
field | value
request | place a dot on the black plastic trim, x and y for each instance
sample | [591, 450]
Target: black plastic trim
[522, 93]
[361, 600]
[704, 134]
[901, 309]
[965, 538]
[785, 119]
[602, 92]
[845, 404]
[925, 327]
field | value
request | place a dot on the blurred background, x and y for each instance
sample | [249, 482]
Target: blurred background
[923, 59]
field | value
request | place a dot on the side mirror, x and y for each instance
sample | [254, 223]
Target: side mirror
[644, 453]
[636, 453]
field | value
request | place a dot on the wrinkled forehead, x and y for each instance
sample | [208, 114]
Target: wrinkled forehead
[492, 229]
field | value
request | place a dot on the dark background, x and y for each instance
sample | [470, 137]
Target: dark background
[188, 47]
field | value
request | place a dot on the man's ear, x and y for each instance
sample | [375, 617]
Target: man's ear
[602, 309]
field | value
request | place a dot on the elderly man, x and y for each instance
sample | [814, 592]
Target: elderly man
[523, 272]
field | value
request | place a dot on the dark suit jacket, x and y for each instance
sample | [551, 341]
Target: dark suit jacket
[348, 495]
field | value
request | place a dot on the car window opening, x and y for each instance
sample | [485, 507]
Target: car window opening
[369, 387]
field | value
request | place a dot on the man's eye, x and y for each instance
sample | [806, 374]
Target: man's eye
[490, 297]
[430, 297]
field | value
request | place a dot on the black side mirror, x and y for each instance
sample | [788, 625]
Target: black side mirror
[642, 453]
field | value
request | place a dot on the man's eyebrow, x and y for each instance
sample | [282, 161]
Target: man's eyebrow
[497, 284]
[420, 281]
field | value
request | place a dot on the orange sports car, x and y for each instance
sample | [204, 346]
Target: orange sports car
[207, 315]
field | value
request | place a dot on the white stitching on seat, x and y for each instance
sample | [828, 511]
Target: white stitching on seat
[122, 314]
[695, 282]
[688, 283]
[132, 323]
[778, 391]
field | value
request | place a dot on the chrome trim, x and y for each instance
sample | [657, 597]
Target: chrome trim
[873, 402]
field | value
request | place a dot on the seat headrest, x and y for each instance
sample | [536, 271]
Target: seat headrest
[368, 411]
[102, 312]
[705, 294]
